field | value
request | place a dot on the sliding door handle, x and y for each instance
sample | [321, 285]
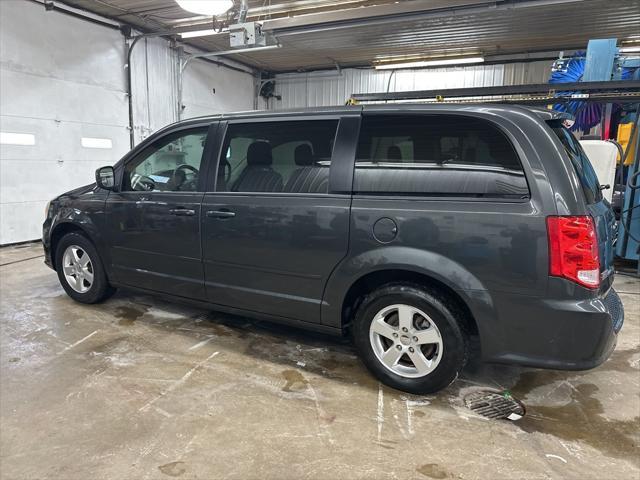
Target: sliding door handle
[182, 212]
[220, 214]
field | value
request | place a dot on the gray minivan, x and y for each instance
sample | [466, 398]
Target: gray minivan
[408, 227]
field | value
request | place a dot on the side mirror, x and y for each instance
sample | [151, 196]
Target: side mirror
[106, 178]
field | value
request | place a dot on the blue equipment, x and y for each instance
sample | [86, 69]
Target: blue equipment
[604, 62]
[601, 62]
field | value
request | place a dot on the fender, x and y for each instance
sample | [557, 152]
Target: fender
[444, 270]
[82, 209]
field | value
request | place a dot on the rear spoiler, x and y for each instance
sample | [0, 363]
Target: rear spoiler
[547, 115]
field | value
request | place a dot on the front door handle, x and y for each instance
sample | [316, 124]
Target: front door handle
[182, 212]
[220, 214]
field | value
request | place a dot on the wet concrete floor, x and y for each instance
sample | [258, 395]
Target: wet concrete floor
[141, 388]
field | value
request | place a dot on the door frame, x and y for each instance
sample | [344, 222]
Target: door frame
[142, 149]
[340, 173]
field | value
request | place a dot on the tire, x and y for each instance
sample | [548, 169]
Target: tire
[421, 360]
[80, 269]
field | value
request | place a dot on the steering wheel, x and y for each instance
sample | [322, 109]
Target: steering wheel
[184, 166]
[142, 183]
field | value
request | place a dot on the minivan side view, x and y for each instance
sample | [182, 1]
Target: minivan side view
[410, 228]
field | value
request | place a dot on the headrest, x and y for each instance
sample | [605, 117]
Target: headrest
[259, 154]
[394, 153]
[303, 155]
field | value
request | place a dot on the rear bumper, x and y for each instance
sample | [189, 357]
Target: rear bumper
[556, 334]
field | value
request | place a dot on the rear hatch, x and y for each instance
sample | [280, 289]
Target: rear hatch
[597, 205]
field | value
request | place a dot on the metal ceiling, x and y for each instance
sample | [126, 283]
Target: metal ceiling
[319, 34]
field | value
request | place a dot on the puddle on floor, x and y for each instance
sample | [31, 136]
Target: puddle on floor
[581, 419]
[173, 469]
[295, 381]
[433, 470]
[128, 315]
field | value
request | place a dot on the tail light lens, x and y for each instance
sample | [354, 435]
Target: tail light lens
[573, 250]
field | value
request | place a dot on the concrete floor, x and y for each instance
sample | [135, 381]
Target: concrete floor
[141, 388]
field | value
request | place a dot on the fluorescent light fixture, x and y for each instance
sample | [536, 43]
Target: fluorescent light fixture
[430, 63]
[103, 143]
[234, 51]
[630, 50]
[210, 8]
[9, 138]
[202, 33]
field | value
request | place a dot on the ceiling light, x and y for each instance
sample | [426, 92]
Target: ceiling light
[202, 33]
[630, 50]
[233, 51]
[206, 7]
[429, 63]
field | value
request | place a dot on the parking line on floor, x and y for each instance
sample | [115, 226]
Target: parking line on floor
[21, 260]
[78, 342]
[200, 344]
[177, 383]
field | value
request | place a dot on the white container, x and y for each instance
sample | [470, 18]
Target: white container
[603, 157]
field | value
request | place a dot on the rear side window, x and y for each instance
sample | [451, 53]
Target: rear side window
[580, 161]
[290, 157]
[436, 155]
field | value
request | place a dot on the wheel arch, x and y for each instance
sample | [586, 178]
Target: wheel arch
[376, 279]
[62, 229]
[388, 264]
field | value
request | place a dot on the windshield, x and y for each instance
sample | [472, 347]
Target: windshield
[580, 161]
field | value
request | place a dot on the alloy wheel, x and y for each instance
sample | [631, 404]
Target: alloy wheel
[406, 340]
[77, 268]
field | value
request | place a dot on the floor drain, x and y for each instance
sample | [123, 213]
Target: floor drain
[495, 404]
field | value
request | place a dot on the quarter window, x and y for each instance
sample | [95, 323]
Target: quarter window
[436, 155]
[580, 161]
[170, 164]
[291, 157]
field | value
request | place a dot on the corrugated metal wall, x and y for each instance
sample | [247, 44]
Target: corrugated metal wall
[210, 89]
[328, 88]
[207, 88]
[154, 77]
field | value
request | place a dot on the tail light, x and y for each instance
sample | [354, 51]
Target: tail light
[573, 250]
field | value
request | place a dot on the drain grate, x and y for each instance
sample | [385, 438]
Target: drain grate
[495, 404]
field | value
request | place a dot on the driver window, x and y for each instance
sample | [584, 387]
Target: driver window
[171, 164]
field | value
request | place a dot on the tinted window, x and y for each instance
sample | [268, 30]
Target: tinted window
[292, 157]
[436, 155]
[170, 164]
[580, 162]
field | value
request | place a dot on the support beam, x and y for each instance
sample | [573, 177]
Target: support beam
[624, 88]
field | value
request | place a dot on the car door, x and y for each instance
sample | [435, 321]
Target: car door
[277, 220]
[154, 219]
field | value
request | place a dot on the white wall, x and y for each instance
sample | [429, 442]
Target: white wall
[60, 79]
[63, 78]
[327, 88]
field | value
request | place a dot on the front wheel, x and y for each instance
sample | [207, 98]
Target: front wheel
[410, 338]
[80, 269]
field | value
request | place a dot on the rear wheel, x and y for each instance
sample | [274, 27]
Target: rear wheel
[410, 338]
[80, 269]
